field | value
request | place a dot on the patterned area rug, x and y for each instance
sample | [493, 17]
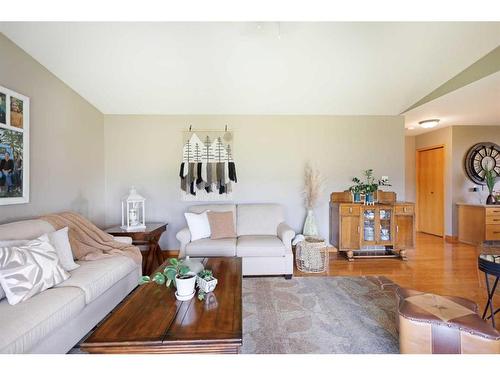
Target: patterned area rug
[319, 315]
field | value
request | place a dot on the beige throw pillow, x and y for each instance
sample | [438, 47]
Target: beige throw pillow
[221, 225]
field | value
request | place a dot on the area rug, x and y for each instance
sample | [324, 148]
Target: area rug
[319, 315]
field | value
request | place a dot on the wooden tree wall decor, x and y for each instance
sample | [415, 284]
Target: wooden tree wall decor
[207, 170]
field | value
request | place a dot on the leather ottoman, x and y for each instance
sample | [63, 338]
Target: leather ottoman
[433, 324]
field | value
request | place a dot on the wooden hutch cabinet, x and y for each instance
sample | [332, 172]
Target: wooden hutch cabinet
[381, 230]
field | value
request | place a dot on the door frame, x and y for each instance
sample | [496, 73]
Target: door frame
[417, 169]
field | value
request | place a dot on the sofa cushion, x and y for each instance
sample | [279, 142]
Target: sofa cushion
[23, 325]
[25, 230]
[225, 247]
[94, 277]
[214, 208]
[259, 246]
[258, 219]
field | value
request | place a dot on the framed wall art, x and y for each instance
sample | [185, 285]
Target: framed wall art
[207, 171]
[14, 147]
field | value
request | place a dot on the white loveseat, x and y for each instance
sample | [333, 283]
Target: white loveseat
[56, 319]
[264, 240]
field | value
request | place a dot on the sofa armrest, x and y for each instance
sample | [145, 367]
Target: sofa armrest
[184, 237]
[286, 234]
[122, 239]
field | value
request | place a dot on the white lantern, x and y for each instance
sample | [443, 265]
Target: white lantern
[133, 211]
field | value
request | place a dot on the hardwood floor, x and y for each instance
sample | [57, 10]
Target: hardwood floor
[433, 266]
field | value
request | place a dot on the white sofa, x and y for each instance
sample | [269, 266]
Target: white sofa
[56, 319]
[264, 240]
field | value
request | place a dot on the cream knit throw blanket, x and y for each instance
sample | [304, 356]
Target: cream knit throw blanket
[89, 242]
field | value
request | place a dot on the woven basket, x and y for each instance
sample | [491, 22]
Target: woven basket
[311, 255]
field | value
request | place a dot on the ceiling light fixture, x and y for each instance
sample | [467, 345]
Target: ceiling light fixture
[427, 124]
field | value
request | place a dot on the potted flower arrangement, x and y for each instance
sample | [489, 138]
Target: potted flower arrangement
[177, 274]
[206, 283]
[313, 187]
[490, 178]
[368, 188]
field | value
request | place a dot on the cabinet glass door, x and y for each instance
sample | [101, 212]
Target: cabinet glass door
[369, 225]
[385, 218]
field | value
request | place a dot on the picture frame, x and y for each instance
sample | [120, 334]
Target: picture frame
[14, 147]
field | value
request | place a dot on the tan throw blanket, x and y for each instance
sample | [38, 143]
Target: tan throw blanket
[89, 242]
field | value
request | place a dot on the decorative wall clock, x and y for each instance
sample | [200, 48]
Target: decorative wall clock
[480, 158]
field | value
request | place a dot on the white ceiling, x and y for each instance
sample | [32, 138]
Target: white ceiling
[475, 104]
[254, 68]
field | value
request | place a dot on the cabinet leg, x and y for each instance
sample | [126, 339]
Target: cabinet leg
[350, 256]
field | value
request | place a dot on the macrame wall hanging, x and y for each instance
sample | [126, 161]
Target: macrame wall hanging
[207, 170]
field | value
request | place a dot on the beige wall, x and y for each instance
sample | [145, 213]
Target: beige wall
[270, 154]
[465, 137]
[410, 193]
[67, 155]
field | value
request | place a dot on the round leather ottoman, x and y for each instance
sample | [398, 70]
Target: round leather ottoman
[433, 324]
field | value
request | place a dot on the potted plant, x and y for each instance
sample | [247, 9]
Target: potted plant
[490, 177]
[370, 186]
[206, 283]
[357, 189]
[177, 274]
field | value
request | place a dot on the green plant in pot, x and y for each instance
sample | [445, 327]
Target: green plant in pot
[490, 178]
[371, 186]
[206, 282]
[176, 274]
[357, 189]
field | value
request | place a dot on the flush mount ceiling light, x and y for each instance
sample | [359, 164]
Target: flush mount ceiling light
[427, 124]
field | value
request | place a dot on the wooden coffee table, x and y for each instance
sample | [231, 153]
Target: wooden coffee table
[151, 320]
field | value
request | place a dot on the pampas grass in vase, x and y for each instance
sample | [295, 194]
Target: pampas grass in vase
[313, 187]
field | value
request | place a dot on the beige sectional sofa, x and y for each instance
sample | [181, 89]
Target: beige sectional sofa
[56, 319]
[264, 240]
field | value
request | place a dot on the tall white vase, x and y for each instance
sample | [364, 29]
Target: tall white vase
[310, 228]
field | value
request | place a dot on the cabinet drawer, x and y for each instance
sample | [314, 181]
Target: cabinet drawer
[406, 209]
[350, 210]
[493, 211]
[493, 232]
[493, 219]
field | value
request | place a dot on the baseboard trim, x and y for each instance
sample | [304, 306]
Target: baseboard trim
[451, 239]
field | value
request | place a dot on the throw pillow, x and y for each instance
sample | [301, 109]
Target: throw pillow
[198, 225]
[5, 243]
[26, 270]
[221, 225]
[59, 239]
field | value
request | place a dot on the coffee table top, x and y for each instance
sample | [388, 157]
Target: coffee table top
[152, 320]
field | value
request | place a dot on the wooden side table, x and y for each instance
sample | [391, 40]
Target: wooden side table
[150, 237]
